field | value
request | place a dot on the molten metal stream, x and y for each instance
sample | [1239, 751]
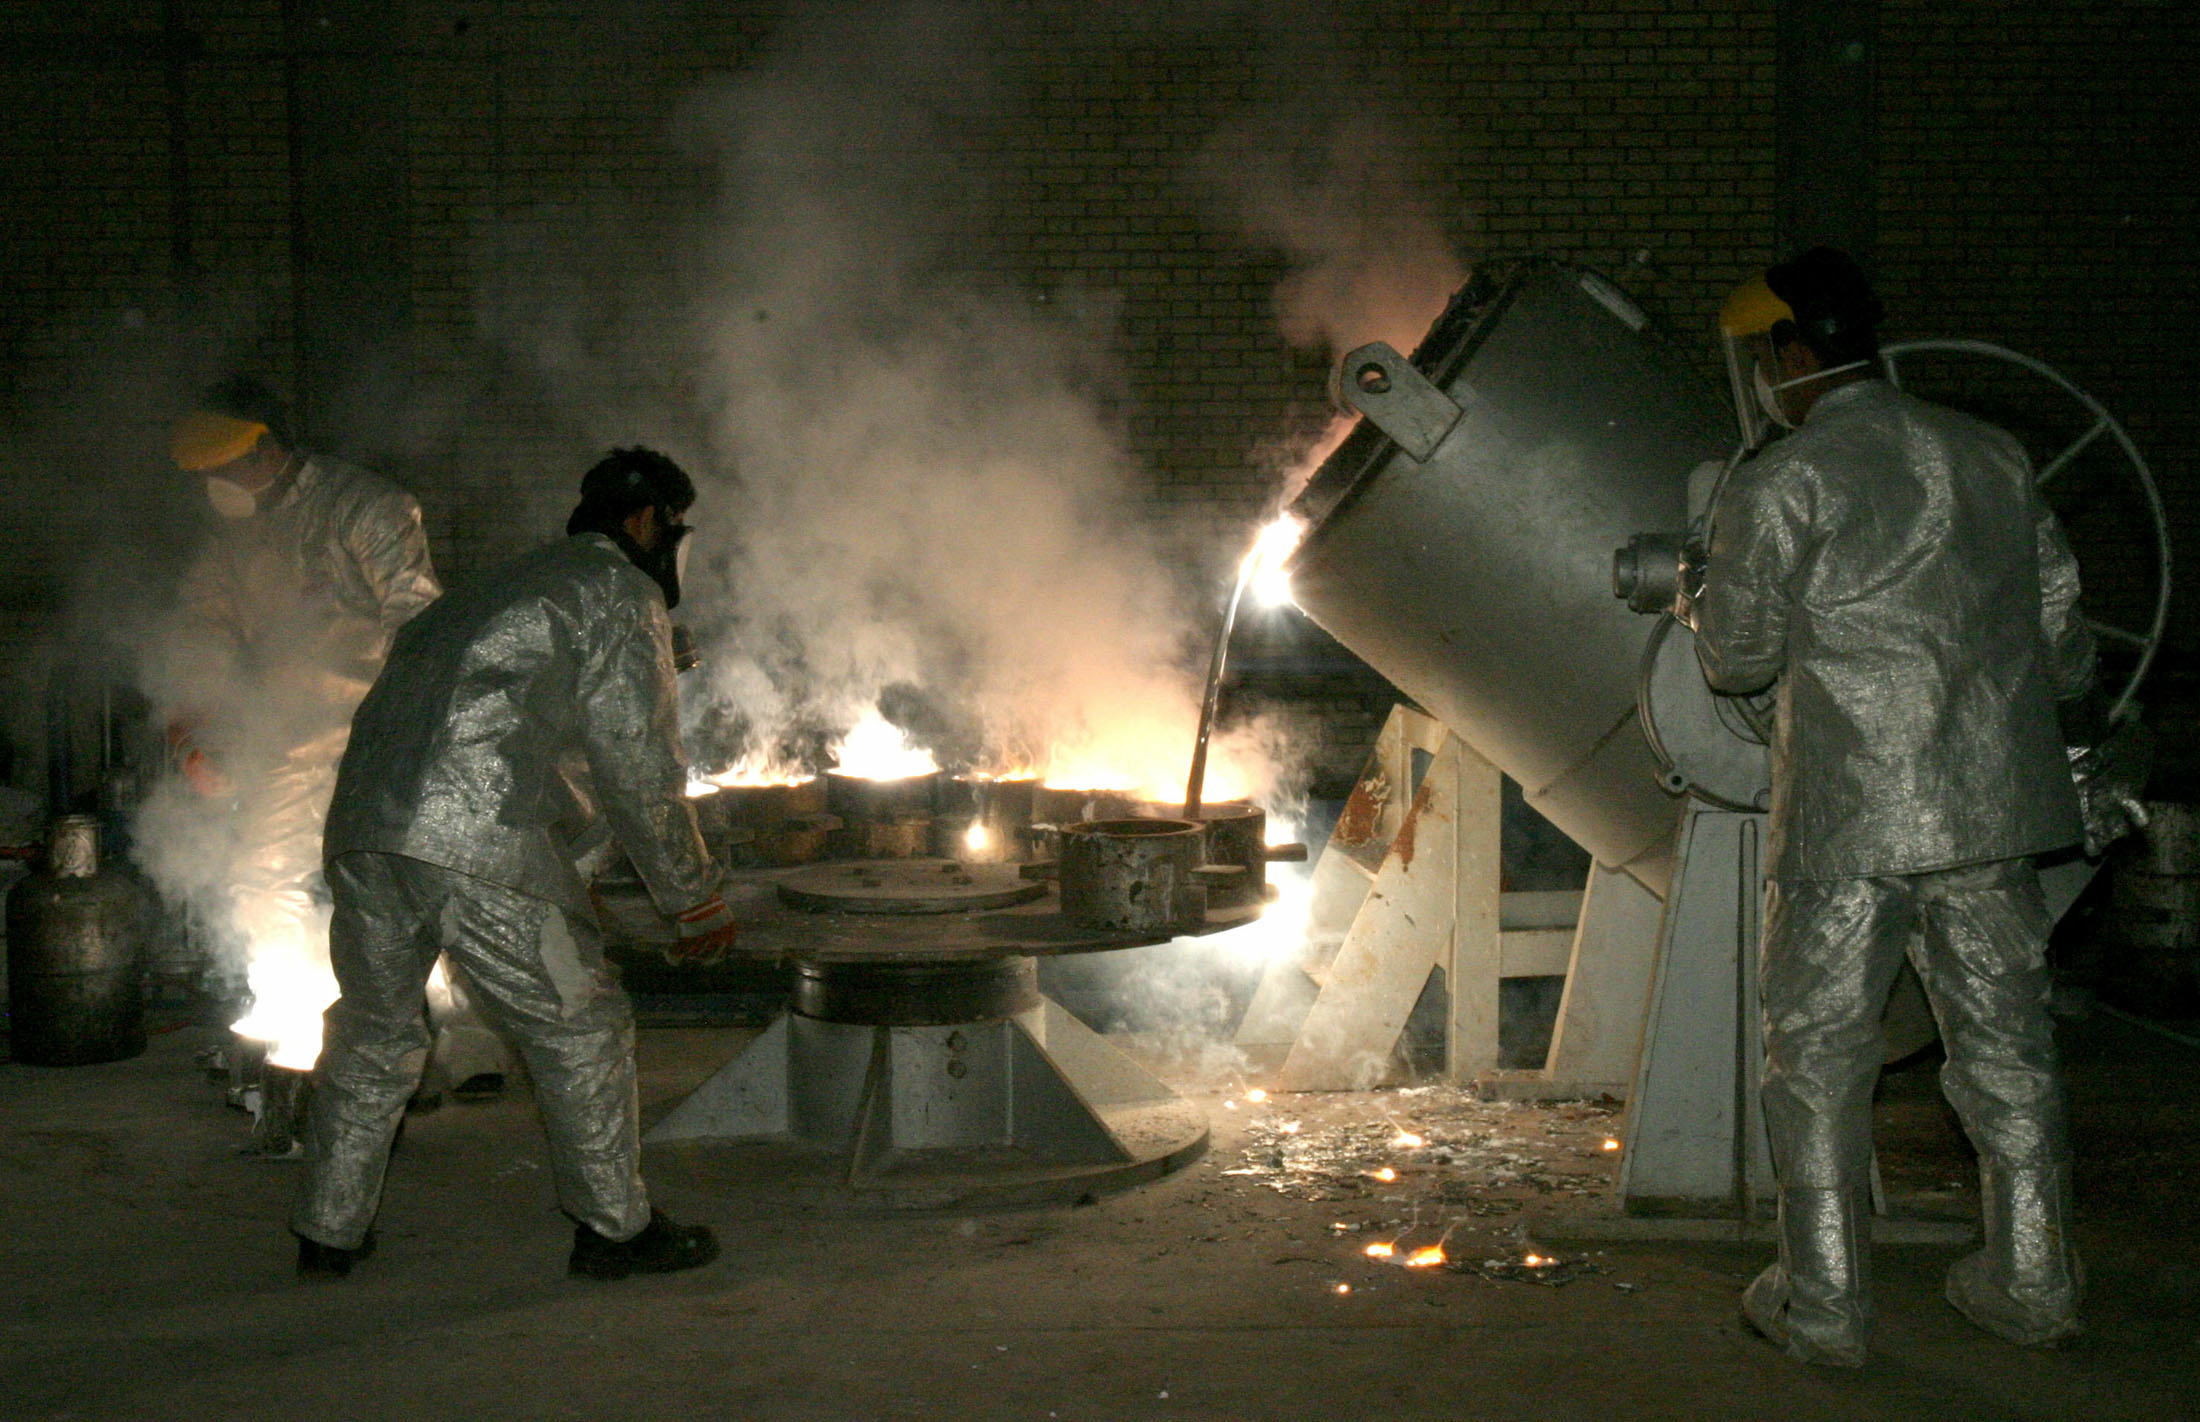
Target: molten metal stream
[1215, 665]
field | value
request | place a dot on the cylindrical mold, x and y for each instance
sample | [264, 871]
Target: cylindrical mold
[2154, 912]
[984, 821]
[906, 838]
[75, 957]
[788, 821]
[1237, 834]
[860, 800]
[279, 1120]
[1134, 876]
[767, 824]
[881, 819]
[1478, 578]
[1061, 805]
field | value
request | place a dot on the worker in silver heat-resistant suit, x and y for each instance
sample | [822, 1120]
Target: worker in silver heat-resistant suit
[1891, 563]
[287, 615]
[446, 836]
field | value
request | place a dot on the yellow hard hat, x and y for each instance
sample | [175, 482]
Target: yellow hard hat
[1751, 309]
[205, 440]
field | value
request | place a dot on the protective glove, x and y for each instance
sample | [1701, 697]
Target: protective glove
[1694, 559]
[2111, 777]
[198, 767]
[702, 935]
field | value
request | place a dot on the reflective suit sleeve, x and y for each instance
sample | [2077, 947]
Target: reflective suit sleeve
[630, 729]
[2070, 649]
[390, 547]
[1742, 613]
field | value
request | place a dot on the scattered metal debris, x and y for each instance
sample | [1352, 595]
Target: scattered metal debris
[1437, 1145]
[1545, 1269]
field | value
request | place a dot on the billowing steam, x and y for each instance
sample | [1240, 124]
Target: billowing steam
[917, 493]
[918, 500]
[1368, 251]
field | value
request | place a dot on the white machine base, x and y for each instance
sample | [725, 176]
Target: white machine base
[1032, 1107]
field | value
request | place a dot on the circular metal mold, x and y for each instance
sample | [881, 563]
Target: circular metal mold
[765, 824]
[1134, 875]
[862, 800]
[984, 821]
[907, 886]
[1237, 834]
[1059, 805]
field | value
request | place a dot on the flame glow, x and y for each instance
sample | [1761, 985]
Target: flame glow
[1263, 569]
[975, 839]
[1258, 1093]
[1386, 1175]
[875, 749]
[287, 970]
[1610, 1144]
[749, 770]
[1425, 1258]
[1407, 1140]
[1381, 1249]
[1149, 762]
[1279, 933]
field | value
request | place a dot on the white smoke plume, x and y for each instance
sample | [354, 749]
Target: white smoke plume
[1369, 252]
[917, 488]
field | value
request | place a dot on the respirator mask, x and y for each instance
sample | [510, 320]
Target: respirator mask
[667, 562]
[230, 499]
[1768, 394]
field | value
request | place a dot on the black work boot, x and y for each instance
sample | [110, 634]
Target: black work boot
[327, 1261]
[661, 1248]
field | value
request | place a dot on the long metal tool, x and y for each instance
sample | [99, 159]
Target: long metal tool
[1215, 667]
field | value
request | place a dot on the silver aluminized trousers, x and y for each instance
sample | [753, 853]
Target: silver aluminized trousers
[1978, 936]
[542, 980]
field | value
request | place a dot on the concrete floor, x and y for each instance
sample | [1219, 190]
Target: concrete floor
[145, 1273]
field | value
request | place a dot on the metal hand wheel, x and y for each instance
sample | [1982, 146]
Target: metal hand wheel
[2078, 473]
[2092, 475]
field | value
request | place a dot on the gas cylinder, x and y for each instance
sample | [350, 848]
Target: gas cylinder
[75, 956]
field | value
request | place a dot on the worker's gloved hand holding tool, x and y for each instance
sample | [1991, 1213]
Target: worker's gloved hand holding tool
[197, 765]
[703, 935]
[2111, 776]
[1694, 558]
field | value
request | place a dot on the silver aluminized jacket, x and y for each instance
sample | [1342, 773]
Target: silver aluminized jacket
[286, 619]
[450, 832]
[465, 753]
[1892, 564]
[292, 610]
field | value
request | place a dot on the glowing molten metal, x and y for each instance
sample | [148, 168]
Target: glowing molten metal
[877, 750]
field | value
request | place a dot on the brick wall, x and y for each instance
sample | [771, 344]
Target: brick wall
[2028, 196]
[2025, 189]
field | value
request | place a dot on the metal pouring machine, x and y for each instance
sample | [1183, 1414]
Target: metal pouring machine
[1467, 540]
[1538, 453]
[917, 1055]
